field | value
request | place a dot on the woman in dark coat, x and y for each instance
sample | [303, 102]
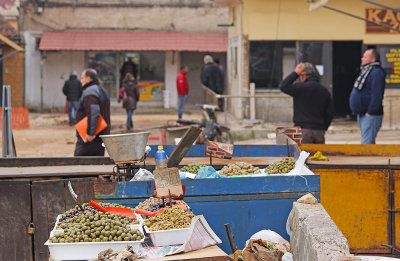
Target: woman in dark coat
[132, 97]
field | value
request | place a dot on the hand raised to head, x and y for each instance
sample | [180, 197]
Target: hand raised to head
[299, 68]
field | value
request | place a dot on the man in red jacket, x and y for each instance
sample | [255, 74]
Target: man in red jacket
[182, 88]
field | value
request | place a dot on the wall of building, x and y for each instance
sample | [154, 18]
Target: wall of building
[176, 16]
[13, 74]
[32, 70]
[172, 64]
[129, 15]
[292, 20]
[57, 68]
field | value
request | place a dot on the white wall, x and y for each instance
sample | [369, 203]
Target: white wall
[235, 76]
[57, 68]
[32, 70]
[172, 64]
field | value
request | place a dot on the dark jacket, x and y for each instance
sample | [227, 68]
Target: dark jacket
[312, 102]
[369, 99]
[128, 67]
[72, 88]
[182, 85]
[132, 93]
[211, 78]
[94, 102]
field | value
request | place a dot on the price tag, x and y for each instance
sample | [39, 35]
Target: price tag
[219, 150]
[166, 180]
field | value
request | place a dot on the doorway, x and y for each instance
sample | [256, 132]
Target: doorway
[195, 62]
[346, 64]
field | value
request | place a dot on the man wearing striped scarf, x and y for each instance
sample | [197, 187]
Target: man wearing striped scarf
[367, 96]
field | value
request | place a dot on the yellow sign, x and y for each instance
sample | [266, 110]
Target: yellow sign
[168, 180]
[391, 63]
[383, 16]
[151, 91]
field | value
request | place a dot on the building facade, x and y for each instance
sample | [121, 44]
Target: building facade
[159, 36]
[268, 38]
[11, 53]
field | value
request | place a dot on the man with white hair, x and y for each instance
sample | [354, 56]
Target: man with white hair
[211, 76]
[312, 103]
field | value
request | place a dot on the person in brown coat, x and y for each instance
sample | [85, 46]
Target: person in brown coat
[130, 97]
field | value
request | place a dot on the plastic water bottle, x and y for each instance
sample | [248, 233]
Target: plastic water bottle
[161, 158]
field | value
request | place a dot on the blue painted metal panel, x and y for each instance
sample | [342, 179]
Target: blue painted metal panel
[239, 150]
[222, 186]
[247, 204]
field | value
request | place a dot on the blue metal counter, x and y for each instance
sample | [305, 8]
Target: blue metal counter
[248, 204]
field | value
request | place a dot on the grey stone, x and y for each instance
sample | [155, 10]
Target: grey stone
[314, 234]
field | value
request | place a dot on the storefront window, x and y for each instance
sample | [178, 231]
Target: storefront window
[266, 62]
[105, 65]
[152, 66]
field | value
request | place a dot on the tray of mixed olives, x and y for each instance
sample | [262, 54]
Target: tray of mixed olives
[170, 227]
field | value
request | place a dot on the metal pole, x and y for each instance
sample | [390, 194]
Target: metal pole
[7, 147]
[252, 101]
[361, 18]
[41, 81]
[3, 114]
[381, 5]
[390, 112]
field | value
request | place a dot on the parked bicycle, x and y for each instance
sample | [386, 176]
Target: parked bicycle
[211, 129]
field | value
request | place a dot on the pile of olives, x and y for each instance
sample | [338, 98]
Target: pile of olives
[171, 218]
[100, 227]
[150, 203]
[193, 168]
[283, 166]
[159, 205]
[87, 208]
[239, 168]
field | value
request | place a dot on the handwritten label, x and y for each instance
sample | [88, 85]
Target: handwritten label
[219, 150]
[168, 179]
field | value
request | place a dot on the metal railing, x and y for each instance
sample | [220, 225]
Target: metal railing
[252, 96]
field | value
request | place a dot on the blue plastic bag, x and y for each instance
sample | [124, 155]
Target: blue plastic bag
[208, 172]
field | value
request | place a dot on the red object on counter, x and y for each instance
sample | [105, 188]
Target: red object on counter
[114, 210]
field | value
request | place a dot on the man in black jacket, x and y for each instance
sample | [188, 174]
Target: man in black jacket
[73, 90]
[312, 103]
[95, 102]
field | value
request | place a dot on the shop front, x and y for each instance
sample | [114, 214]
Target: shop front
[154, 58]
[273, 36]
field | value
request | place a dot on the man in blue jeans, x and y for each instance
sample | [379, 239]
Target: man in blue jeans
[367, 96]
[73, 90]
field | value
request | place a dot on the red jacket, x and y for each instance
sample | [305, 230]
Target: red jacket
[182, 85]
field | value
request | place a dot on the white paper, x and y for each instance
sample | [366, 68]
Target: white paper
[200, 236]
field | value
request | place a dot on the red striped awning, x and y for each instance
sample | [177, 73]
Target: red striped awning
[134, 41]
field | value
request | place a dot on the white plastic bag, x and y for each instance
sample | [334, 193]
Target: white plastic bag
[142, 174]
[300, 168]
[269, 235]
[287, 257]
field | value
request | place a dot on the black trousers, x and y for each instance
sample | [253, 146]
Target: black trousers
[312, 136]
[93, 148]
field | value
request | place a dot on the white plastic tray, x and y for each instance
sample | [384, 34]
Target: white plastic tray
[168, 237]
[88, 250]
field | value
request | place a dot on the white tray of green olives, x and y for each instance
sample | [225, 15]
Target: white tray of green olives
[168, 237]
[89, 250]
